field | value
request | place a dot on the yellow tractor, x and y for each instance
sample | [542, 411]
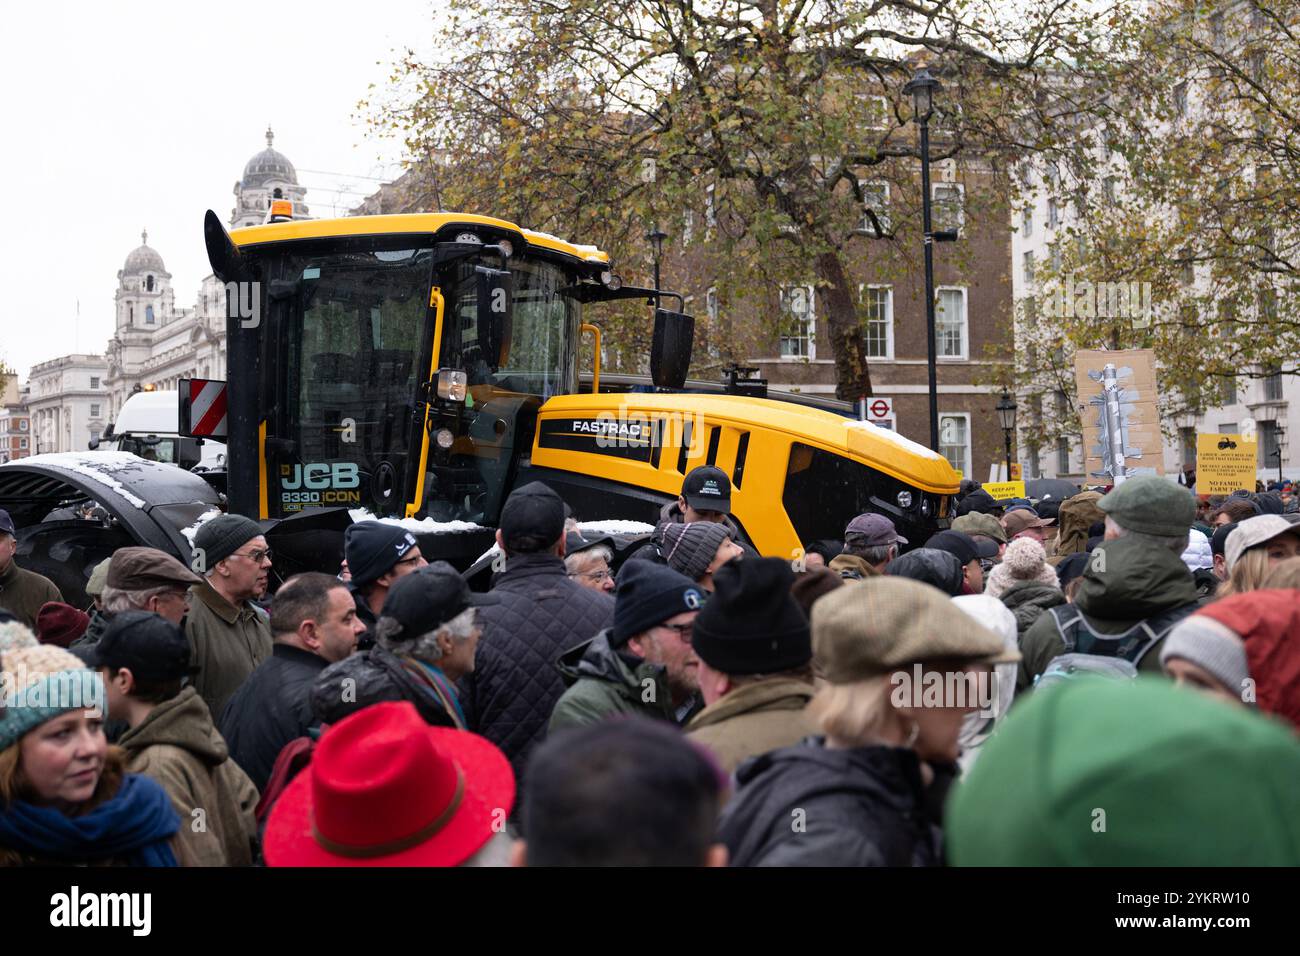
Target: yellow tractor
[420, 367]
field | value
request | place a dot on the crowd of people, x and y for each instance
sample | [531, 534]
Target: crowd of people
[1112, 678]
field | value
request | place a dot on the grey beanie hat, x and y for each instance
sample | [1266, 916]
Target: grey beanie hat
[689, 548]
[221, 537]
[1213, 646]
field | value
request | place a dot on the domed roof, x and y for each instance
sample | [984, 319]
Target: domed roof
[143, 258]
[268, 165]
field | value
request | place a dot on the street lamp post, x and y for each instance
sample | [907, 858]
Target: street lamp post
[1006, 409]
[921, 88]
[656, 238]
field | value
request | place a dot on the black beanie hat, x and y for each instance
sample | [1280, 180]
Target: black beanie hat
[690, 548]
[221, 537]
[752, 625]
[373, 547]
[932, 566]
[647, 595]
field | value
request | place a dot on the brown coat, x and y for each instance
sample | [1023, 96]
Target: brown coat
[753, 719]
[226, 644]
[179, 747]
[23, 592]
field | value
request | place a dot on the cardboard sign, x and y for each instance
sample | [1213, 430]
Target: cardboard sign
[1224, 464]
[1002, 490]
[1141, 410]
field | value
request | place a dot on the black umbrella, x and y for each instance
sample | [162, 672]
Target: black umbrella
[1051, 489]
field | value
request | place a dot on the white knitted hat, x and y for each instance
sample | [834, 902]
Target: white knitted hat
[1024, 560]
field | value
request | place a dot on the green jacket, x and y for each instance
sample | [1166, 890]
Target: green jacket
[603, 682]
[23, 592]
[180, 748]
[226, 644]
[754, 719]
[1028, 600]
[1133, 582]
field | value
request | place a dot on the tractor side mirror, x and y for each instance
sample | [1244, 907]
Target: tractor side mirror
[670, 350]
[495, 291]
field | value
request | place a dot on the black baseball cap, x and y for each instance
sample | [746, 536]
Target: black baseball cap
[423, 601]
[963, 546]
[532, 510]
[708, 489]
[575, 542]
[1219, 540]
[151, 647]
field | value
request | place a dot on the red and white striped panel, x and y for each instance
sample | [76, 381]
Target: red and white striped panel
[207, 408]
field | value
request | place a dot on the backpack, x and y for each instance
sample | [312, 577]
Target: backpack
[1089, 651]
[1078, 635]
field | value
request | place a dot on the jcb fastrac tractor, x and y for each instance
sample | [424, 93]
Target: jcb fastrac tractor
[422, 366]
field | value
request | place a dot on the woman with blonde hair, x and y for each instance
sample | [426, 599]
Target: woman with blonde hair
[65, 798]
[1254, 549]
[903, 668]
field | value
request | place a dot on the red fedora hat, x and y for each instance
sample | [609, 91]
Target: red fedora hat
[386, 789]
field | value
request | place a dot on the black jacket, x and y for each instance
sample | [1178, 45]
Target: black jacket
[270, 709]
[809, 806]
[509, 696]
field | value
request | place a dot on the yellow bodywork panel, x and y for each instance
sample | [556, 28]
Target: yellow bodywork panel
[413, 223]
[694, 422]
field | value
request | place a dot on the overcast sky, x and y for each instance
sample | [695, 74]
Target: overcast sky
[129, 115]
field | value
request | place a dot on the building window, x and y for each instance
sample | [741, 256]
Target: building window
[949, 207]
[94, 436]
[688, 227]
[1027, 221]
[1216, 30]
[1268, 444]
[797, 322]
[711, 305]
[94, 411]
[22, 443]
[148, 283]
[1187, 438]
[1180, 99]
[1062, 456]
[1053, 214]
[94, 381]
[950, 323]
[148, 315]
[875, 197]
[1273, 387]
[1230, 391]
[1109, 188]
[1029, 267]
[878, 320]
[877, 112]
[954, 440]
[22, 425]
[710, 210]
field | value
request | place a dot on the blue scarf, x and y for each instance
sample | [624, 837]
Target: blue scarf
[134, 826]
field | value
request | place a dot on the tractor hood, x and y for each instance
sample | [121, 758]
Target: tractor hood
[152, 501]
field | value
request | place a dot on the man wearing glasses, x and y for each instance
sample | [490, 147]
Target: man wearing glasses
[378, 555]
[587, 562]
[228, 634]
[645, 663]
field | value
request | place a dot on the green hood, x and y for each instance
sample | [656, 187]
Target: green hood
[1133, 581]
[1096, 772]
[1077, 514]
[183, 721]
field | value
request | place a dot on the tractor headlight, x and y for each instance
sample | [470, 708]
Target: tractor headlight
[904, 500]
[452, 384]
[444, 438]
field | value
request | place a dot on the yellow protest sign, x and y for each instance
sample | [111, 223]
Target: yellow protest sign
[1002, 490]
[1015, 471]
[1224, 464]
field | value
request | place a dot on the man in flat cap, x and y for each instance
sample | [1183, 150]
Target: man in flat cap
[1135, 587]
[230, 635]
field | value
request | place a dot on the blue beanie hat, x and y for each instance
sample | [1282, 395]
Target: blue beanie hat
[648, 594]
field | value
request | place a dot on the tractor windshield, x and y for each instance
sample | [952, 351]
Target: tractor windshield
[355, 332]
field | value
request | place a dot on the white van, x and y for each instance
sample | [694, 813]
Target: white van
[147, 426]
